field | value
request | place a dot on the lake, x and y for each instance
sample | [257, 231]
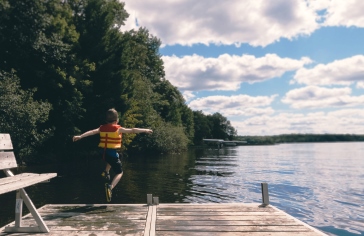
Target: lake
[321, 184]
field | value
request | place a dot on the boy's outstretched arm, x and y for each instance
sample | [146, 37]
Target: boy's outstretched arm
[88, 133]
[135, 130]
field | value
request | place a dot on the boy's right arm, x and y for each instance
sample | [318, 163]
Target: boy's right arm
[88, 133]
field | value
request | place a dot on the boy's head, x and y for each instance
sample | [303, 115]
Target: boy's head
[112, 116]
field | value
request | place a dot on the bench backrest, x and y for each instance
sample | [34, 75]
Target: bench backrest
[7, 157]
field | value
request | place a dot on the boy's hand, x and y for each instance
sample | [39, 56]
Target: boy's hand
[148, 131]
[76, 138]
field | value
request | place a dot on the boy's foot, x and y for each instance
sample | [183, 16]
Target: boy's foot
[108, 192]
[106, 175]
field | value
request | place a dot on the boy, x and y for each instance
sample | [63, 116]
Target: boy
[110, 142]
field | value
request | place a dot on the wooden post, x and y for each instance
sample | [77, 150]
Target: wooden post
[265, 195]
[18, 209]
[155, 200]
[149, 199]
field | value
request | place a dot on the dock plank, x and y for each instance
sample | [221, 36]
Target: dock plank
[227, 219]
[168, 219]
[190, 233]
[108, 219]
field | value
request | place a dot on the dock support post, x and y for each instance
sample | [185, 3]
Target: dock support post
[265, 195]
[149, 199]
[155, 200]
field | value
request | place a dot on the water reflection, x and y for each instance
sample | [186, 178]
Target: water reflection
[319, 183]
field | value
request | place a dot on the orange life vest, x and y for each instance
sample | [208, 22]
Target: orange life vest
[109, 136]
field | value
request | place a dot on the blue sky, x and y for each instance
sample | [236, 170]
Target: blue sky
[270, 67]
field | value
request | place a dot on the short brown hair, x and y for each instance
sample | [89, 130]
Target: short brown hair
[111, 116]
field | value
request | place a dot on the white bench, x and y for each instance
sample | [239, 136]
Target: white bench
[18, 183]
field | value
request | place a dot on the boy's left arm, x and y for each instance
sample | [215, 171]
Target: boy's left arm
[135, 131]
[88, 133]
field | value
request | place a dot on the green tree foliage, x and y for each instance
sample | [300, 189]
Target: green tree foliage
[37, 39]
[296, 138]
[214, 126]
[21, 116]
[73, 55]
[168, 138]
[221, 127]
[202, 127]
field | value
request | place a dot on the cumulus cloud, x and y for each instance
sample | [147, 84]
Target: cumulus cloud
[343, 13]
[239, 105]
[345, 121]
[340, 72]
[188, 95]
[318, 97]
[226, 72]
[257, 22]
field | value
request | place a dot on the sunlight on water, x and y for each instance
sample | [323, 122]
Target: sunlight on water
[319, 183]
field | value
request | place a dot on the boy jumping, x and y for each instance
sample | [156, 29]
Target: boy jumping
[110, 142]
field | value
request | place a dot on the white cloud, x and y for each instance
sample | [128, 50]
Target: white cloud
[230, 106]
[344, 13]
[350, 121]
[360, 85]
[225, 72]
[188, 95]
[318, 97]
[340, 72]
[257, 22]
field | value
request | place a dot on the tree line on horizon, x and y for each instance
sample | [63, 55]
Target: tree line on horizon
[64, 63]
[298, 138]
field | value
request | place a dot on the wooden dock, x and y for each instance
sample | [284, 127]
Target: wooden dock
[168, 219]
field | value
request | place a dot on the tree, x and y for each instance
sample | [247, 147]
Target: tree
[201, 126]
[38, 39]
[21, 116]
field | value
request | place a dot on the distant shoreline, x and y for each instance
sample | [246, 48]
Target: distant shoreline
[300, 138]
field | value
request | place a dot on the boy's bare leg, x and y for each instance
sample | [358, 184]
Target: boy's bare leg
[116, 180]
[108, 167]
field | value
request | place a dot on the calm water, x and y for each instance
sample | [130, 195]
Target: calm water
[321, 184]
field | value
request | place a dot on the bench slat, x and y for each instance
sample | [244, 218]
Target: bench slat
[9, 184]
[7, 160]
[5, 142]
[16, 178]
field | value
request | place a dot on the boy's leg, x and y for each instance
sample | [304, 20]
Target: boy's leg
[116, 180]
[106, 173]
[108, 192]
[108, 167]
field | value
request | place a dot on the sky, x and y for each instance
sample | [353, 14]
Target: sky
[269, 67]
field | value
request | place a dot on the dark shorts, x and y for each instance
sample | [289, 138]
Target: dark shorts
[114, 161]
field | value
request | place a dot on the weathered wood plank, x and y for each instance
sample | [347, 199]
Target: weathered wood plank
[211, 205]
[190, 233]
[16, 178]
[57, 223]
[9, 184]
[216, 213]
[94, 208]
[148, 221]
[125, 219]
[216, 218]
[153, 223]
[106, 211]
[282, 221]
[234, 228]
[5, 142]
[82, 233]
[306, 225]
[232, 209]
[232, 219]
[7, 160]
